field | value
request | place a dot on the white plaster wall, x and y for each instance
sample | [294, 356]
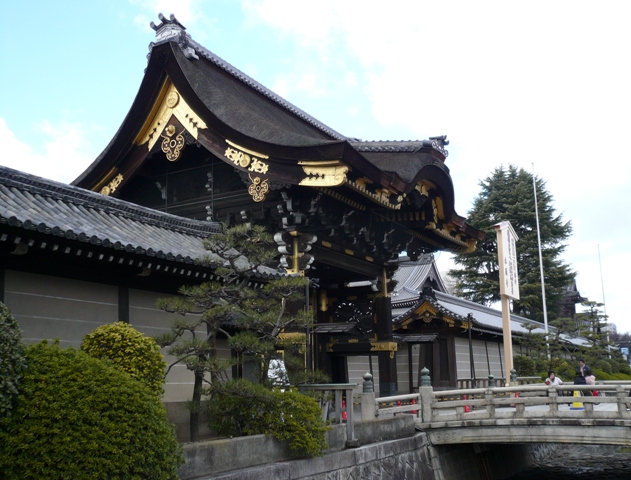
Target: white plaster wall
[51, 307]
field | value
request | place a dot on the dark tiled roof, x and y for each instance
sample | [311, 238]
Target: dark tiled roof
[485, 319]
[403, 146]
[170, 29]
[53, 208]
[410, 278]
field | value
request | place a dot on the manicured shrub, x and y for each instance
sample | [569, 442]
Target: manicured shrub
[135, 353]
[12, 360]
[240, 407]
[82, 418]
[525, 366]
[604, 365]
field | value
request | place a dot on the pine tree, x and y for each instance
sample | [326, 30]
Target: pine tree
[592, 324]
[250, 314]
[507, 194]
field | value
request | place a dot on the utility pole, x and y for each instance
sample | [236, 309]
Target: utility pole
[543, 285]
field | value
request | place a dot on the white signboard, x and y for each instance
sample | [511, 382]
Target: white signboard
[507, 258]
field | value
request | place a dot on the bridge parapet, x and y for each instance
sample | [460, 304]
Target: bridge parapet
[533, 403]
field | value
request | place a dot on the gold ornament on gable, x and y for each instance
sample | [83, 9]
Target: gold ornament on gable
[172, 145]
[258, 189]
[170, 103]
[112, 186]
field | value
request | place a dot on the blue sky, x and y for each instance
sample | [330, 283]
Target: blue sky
[509, 82]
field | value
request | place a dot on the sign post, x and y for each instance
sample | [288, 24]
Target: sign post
[509, 285]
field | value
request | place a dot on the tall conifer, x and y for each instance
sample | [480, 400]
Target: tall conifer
[507, 194]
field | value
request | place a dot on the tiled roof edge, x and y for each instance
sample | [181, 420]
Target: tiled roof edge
[110, 205]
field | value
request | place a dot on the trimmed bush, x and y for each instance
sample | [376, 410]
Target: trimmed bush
[82, 418]
[525, 366]
[135, 353]
[605, 366]
[242, 408]
[12, 360]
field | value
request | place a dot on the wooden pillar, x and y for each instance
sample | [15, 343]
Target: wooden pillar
[321, 359]
[387, 357]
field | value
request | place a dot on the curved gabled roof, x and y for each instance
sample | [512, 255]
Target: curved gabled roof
[485, 319]
[234, 117]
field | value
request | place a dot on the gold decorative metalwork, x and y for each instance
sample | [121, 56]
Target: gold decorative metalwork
[172, 146]
[112, 186]
[244, 158]
[172, 99]
[258, 189]
[324, 301]
[383, 346]
[169, 102]
[323, 175]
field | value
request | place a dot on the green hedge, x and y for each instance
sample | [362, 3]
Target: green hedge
[81, 418]
[135, 353]
[12, 360]
[244, 408]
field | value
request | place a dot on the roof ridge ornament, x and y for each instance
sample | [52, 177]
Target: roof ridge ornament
[171, 30]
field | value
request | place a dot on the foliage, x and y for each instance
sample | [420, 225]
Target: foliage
[525, 366]
[507, 194]
[252, 319]
[604, 366]
[563, 369]
[79, 417]
[593, 328]
[534, 343]
[135, 353]
[564, 328]
[240, 407]
[12, 360]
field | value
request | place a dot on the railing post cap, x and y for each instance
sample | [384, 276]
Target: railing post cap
[367, 376]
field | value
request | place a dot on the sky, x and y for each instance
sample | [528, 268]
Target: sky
[542, 85]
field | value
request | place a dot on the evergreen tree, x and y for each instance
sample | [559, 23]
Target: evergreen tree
[592, 325]
[252, 317]
[507, 194]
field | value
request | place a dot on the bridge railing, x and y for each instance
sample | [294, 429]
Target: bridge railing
[466, 383]
[438, 408]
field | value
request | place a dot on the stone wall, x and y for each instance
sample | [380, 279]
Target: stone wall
[390, 449]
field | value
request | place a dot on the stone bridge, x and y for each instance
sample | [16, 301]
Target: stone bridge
[514, 414]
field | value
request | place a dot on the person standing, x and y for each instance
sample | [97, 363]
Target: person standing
[579, 379]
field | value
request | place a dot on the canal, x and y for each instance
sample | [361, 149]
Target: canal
[581, 463]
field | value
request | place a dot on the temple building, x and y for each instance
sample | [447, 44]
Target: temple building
[202, 145]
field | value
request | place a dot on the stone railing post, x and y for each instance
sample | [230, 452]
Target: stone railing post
[426, 392]
[368, 398]
[490, 397]
[513, 377]
[491, 380]
[553, 395]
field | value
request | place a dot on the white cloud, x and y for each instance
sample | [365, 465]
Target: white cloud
[64, 155]
[188, 12]
[538, 83]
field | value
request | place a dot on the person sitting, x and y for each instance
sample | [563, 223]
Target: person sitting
[590, 379]
[553, 379]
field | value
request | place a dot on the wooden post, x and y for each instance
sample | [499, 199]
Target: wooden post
[507, 336]
[509, 284]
